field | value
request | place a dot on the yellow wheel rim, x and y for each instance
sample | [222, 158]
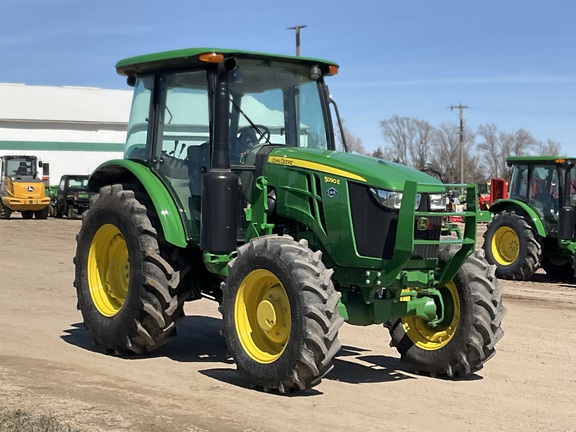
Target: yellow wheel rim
[108, 270]
[505, 246]
[262, 316]
[433, 338]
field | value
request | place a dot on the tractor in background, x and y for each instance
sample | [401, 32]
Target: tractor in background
[21, 188]
[534, 227]
[72, 197]
[231, 189]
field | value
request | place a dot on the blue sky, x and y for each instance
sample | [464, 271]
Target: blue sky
[512, 63]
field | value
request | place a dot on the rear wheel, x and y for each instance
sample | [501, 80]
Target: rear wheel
[560, 270]
[126, 290]
[511, 244]
[280, 314]
[466, 339]
[27, 214]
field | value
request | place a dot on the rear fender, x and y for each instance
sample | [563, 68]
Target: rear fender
[522, 208]
[126, 171]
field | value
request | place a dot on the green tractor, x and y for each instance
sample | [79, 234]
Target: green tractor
[534, 227]
[231, 189]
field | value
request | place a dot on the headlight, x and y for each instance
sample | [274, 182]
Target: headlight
[437, 202]
[391, 199]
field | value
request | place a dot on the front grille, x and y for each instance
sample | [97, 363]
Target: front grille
[375, 227]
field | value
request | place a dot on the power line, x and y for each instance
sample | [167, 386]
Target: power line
[528, 112]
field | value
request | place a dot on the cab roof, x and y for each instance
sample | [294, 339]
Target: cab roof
[189, 57]
[539, 159]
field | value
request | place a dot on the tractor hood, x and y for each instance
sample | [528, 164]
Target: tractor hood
[368, 170]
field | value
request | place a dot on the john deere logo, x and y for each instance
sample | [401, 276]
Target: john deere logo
[30, 189]
[422, 224]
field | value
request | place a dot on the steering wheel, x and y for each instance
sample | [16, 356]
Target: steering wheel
[257, 134]
[247, 138]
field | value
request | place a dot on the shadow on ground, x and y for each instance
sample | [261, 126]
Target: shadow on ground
[199, 341]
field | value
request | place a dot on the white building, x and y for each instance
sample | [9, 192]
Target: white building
[71, 129]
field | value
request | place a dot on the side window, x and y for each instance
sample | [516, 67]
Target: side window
[138, 124]
[312, 127]
[519, 183]
[46, 171]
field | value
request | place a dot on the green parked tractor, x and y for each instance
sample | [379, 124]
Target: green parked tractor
[534, 227]
[231, 188]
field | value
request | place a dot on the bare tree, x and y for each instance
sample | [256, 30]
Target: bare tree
[397, 131]
[409, 139]
[417, 143]
[446, 152]
[378, 153]
[497, 146]
[445, 155]
[523, 143]
[551, 148]
[353, 143]
[491, 147]
[420, 148]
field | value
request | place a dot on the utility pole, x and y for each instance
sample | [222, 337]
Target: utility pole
[461, 108]
[297, 30]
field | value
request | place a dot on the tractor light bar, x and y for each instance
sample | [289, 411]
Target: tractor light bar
[211, 57]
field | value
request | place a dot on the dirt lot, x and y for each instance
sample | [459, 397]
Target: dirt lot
[48, 364]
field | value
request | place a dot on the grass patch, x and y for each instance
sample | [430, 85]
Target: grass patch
[22, 421]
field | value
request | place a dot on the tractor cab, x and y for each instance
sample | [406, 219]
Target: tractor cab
[20, 167]
[546, 185]
[226, 114]
[534, 226]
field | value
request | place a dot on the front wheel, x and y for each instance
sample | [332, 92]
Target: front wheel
[42, 214]
[280, 312]
[126, 291]
[466, 339]
[511, 244]
[5, 212]
[72, 213]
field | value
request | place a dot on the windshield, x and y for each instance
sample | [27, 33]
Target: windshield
[20, 167]
[276, 103]
[78, 182]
